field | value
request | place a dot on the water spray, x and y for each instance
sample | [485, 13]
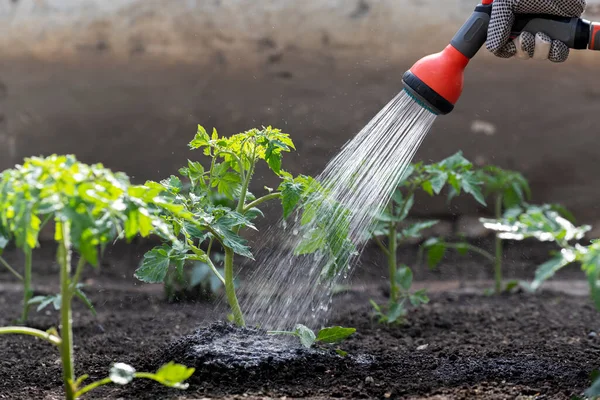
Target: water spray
[436, 81]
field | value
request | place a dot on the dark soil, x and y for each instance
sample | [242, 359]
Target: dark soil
[462, 345]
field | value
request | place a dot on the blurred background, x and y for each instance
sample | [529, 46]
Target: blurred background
[125, 82]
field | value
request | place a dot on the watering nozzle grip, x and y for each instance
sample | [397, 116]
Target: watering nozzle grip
[576, 33]
[472, 35]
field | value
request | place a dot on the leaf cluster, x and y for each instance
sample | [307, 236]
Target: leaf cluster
[208, 197]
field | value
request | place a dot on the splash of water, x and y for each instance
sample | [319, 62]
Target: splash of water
[284, 288]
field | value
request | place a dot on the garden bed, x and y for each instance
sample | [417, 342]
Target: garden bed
[462, 344]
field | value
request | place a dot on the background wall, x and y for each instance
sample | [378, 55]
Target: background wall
[125, 82]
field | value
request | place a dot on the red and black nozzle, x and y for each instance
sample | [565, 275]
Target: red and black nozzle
[436, 81]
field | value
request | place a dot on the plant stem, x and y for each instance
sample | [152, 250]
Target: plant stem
[238, 317]
[66, 331]
[27, 292]
[261, 200]
[498, 240]
[392, 260]
[78, 271]
[381, 245]
[92, 386]
[19, 330]
[12, 271]
[281, 333]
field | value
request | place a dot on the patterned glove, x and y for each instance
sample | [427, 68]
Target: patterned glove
[526, 45]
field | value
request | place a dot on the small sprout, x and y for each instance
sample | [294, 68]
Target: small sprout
[331, 335]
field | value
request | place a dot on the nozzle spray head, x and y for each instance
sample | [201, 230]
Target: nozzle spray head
[436, 81]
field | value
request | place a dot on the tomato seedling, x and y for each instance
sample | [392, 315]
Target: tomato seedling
[308, 338]
[90, 206]
[233, 161]
[548, 223]
[455, 173]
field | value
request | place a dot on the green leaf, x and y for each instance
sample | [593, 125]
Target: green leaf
[154, 266]
[594, 390]
[469, 184]
[200, 140]
[306, 335]
[427, 186]
[462, 248]
[45, 301]
[82, 296]
[404, 277]
[291, 193]
[414, 230]
[341, 352]
[334, 334]
[173, 375]
[548, 269]
[435, 254]
[438, 181]
[419, 297]
[121, 373]
[313, 241]
[396, 311]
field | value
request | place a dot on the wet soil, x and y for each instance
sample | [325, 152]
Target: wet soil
[462, 345]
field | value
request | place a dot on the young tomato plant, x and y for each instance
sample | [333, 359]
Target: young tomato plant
[308, 338]
[24, 225]
[456, 173]
[548, 223]
[90, 206]
[232, 164]
[508, 189]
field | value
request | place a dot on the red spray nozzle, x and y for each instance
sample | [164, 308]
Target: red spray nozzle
[436, 81]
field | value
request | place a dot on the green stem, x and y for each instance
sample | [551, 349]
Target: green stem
[27, 292]
[92, 386]
[381, 245]
[238, 317]
[12, 271]
[210, 243]
[66, 331]
[78, 272]
[261, 200]
[19, 330]
[281, 333]
[392, 263]
[498, 247]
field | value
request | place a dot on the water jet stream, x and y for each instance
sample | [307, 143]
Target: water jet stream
[284, 288]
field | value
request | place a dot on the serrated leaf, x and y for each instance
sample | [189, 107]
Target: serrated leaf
[419, 297]
[438, 181]
[291, 193]
[469, 184]
[548, 269]
[404, 277]
[154, 266]
[334, 334]
[121, 373]
[306, 335]
[45, 301]
[414, 230]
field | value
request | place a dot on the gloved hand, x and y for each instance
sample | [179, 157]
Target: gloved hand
[526, 45]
